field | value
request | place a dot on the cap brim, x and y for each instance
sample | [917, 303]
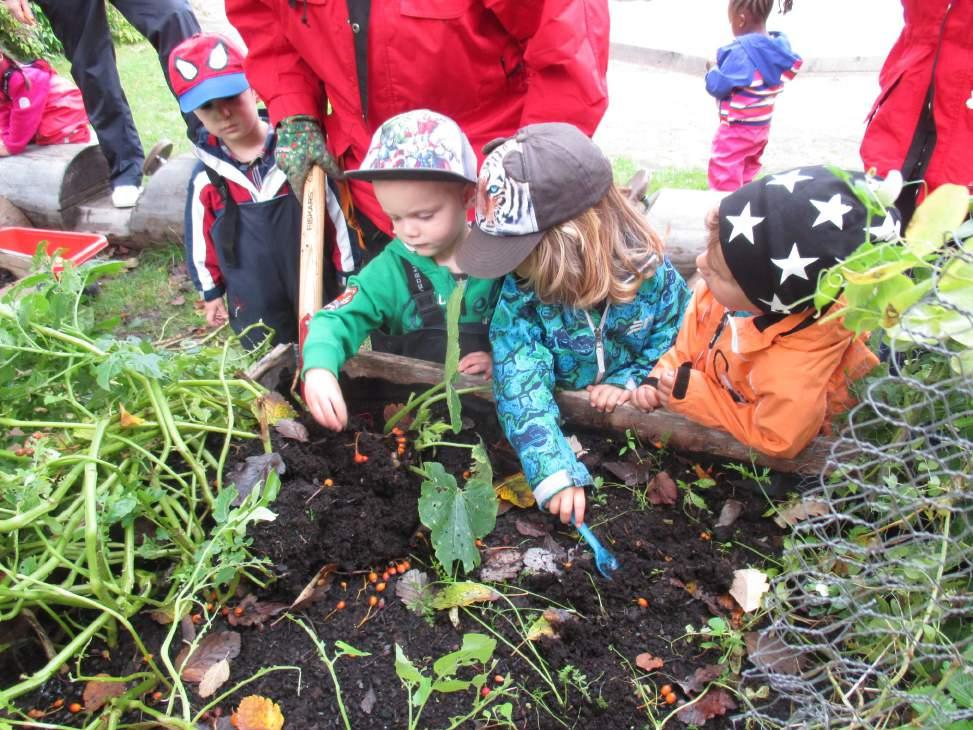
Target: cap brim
[218, 87]
[489, 257]
[395, 173]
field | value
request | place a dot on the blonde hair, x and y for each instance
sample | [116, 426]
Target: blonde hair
[604, 253]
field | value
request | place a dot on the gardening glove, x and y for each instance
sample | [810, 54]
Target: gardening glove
[300, 144]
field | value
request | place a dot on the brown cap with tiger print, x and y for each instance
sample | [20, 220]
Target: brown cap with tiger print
[544, 175]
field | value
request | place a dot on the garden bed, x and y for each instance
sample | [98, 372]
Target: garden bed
[676, 569]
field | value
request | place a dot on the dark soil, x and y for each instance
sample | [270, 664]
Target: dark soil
[6, 276]
[368, 521]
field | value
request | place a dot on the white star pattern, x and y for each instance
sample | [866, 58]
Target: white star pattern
[888, 230]
[743, 224]
[832, 210]
[776, 305]
[789, 179]
[793, 265]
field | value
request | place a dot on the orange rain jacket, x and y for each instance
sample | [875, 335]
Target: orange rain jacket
[771, 390]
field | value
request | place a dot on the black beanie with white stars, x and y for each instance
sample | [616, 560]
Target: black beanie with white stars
[778, 233]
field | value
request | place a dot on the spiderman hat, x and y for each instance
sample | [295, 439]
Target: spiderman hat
[204, 67]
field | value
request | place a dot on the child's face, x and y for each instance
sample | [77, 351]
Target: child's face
[232, 118]
[712, 267]
[428, 216]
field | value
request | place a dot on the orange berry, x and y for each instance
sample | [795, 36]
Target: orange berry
[340, 606]
[373, 577]
[498, 678]
[238, 611]
[57, 703]
[478, 543]
[706, 536]
[209, 607]
[466, 475]
[38, 434]
[74, 708]
[671, 698]
[156, 696]
[643, 603]
[373, 600]
[225, 611]
[35, 714]
[568, 565]
[196, 618]
[484, 691]
[329, 482]
[380, 586]
[665, 689]
[385, 575]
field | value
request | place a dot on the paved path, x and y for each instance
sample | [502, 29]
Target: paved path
[662, 117]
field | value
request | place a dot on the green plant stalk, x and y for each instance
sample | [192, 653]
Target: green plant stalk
[42, 675]
[25, 518]
[329, 663]
[412, 405]
[240, 685]
[91, 523]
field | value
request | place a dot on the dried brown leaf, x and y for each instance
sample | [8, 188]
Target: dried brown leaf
[99, 693]
[693, 589]
[800, 511]
[630, 474]
[700, 678]
[291, 429]
[648, 662]
[214, 677]
[528, 528]
[662, 489]
[516, 490]
[255, 613]
[768, 651]
[211, 649]
[317, 588]
[177, 301]
[391, 409]
[413, 590]
[501, 564]
[730, 512]
[368, 701]
[126, 419]
[548, 623]
[715, 703]
[257, 713]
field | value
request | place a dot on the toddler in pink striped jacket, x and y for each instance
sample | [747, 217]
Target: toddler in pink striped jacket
[748, 76]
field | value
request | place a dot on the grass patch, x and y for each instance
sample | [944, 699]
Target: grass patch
[154, 300]
[154, 108]
[663, 177]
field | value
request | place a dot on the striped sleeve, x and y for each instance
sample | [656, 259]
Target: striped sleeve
[201, 258]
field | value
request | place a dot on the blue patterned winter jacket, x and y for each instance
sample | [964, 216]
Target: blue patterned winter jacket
[538, 347]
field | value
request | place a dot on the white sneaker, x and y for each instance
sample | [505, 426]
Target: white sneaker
[125, 196]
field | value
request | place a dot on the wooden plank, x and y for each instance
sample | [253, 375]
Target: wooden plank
[18, 263]
[159, 215]
[675, 430]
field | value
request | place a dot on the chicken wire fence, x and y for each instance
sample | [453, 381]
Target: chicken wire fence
[872, 617]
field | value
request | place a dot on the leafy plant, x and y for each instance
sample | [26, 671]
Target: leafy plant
[718, 634]
[476, 649]
[457, 517]
[342, 649]
[691, 496]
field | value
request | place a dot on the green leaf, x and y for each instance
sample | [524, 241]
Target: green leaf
[404, 668]
[453, 308]
[221, 509]
[456, 518]
[451, 685]
[476, 648]
[121, 508]
[462, 593]
[934, 221]
[349, 650]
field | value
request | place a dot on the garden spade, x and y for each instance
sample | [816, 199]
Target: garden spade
[310, 284]
[604, 560]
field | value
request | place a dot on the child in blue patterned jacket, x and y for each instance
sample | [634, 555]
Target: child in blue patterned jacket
[590, 301]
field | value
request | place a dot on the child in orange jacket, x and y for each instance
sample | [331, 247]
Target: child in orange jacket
[752, 357]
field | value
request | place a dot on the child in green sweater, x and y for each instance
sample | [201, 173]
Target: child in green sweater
[423, 170]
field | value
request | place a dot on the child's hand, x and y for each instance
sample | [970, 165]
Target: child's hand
[323, 397]
[477, 363]
[709, 65]
[646, 398]
[606, 398]
[667, 381]
[568, 502]
[4, 152]
[21, 11]
[215, 311]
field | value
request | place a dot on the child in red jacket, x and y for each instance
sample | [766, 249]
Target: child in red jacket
[37, 105]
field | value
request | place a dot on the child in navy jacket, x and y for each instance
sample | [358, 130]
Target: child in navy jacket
[242, 222]
[749, 74]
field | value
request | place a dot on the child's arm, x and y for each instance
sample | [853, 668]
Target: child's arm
[523, 385]
[26, 109]
[201, 259]
[734, 70]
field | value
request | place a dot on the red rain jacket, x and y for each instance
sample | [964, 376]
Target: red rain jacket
[492, 65]
[931, 26]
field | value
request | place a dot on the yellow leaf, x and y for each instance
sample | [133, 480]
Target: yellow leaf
[940, 214]
[463, 593]
[257, 713]
[516, 490]
[701, 473]
[272, 407]
[126, 419]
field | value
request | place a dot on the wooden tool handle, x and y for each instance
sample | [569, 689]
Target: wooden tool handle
[311, 279]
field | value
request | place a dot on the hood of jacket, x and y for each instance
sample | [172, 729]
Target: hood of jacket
[771, 54]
